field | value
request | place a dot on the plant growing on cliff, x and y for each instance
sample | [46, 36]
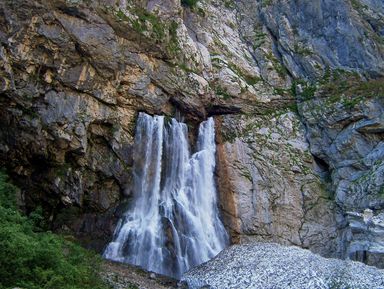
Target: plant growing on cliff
[381, 191]
[302, 50]
[152, 27]
[358, 6]
[249, 79]
[189, 3]
[173, 45]
[147, 21]
[349, 89]
[221, 91]
[266, 3]
[307, 92]
[33, 259]
[277, 65]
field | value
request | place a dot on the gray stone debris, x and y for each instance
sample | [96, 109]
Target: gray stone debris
[267, 265]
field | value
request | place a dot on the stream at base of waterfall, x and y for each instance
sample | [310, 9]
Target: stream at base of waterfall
[173, 221]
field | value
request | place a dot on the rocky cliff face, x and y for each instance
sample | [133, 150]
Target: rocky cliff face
[278, 195]
[296, 88]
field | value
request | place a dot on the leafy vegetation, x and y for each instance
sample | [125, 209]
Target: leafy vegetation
[266, 3]
[230, 4]
[340, 86]
[189, 3]
[223, 92]
[307, 90]
[147, 21]
[30, 258]
[152, 27]
[349, 89]
[357, 5]
[339, 82]
[121, 15]
[278, 67]
[249, 79]
[302, 50]
[381, 191]
[259, 38]
[184, 67]
[173, 47]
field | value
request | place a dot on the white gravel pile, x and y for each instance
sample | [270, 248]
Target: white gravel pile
[265, 265]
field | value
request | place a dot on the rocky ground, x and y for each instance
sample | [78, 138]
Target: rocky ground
[123, 276]
[261, 265]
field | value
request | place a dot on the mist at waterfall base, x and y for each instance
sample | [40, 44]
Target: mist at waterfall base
[173, 222]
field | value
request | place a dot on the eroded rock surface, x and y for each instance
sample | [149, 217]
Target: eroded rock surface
[366, 240]
[277, 194]
[311, 36]
[346, 136]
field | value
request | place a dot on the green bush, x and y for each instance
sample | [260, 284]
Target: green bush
[189, 3]
[35, 260]
[7, 192]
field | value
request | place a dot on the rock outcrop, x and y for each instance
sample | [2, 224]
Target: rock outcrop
[345, 133]
[308, 37]
[367, 242]
[260, 265]
[276, 193]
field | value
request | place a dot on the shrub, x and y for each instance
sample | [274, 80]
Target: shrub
[189, 3]
[36, 260]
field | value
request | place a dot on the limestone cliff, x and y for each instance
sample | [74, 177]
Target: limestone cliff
[296, 88]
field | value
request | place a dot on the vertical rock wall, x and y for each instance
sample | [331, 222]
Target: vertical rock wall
[275, 184]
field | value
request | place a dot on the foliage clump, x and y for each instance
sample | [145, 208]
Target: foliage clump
[189, 3]
[347, 88]
[30, 258]
[339, 82]
[152, 27]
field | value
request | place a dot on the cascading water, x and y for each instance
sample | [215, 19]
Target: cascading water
[173, 223]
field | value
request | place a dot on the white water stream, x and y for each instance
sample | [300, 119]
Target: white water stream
[173, 223]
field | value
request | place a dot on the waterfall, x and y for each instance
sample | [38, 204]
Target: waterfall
[173, 223]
